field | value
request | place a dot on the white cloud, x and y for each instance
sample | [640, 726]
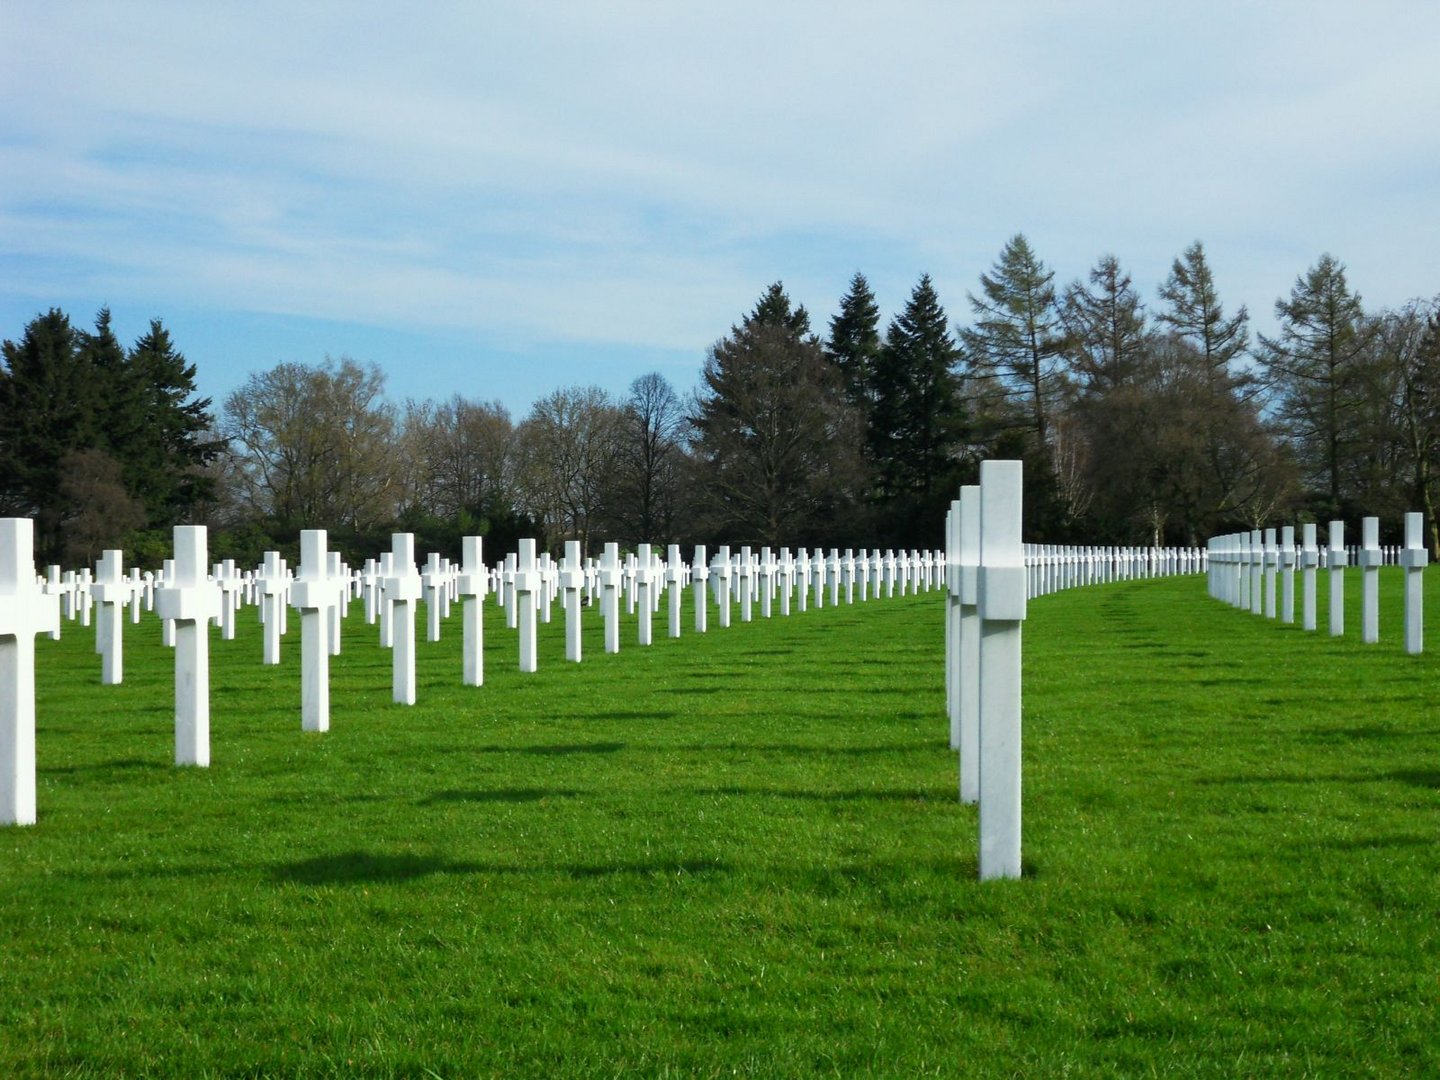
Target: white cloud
[636, 173]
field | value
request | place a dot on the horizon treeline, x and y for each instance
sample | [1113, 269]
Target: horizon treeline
[1139, 423]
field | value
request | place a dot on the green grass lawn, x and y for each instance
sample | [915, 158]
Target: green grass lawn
[740, 854]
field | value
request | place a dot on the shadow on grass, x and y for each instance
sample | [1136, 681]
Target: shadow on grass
[377, 868]
[1370, 843]
[1426, 778]
[1370, 731]
[121, 765]
[560, 750]
[499, 795]
[858, 795]
[795, 748]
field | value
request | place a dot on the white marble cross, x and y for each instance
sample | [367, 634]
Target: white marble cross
[572, 585]
[370, 590]
[273, 587]
[1371, 559]
[384, 609]
[1309, 563]
[721, 576]
[83, 596]
[1414, 557]
[644, 590]
[470, 586]
[675, 578]
[699, 576]
[767, 581]
[25, 611]
[1001, 580]
[56, 588]
[190, 600]
[112, 592]
[968, 631]
[167, 626]
[1271, 570]
[402, 592]
[229, 584]
[527, 603]
[340, 581]
[1287, 574]
[432, 583]
[316, 595]
[611, 573]
[1337, 557]
[137, 591]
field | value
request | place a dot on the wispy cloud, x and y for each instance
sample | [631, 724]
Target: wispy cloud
[552, 175]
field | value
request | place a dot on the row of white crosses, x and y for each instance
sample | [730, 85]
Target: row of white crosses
[187, 599]
[1249, 569]
[987, 582]
[1055, 567]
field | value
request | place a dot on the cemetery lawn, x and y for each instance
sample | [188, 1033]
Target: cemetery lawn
[740, 854]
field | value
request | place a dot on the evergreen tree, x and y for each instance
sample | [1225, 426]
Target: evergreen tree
[773, 309]
[46, 411]
[1316, 365]
[1015, 373]
[776, 444]
[1105, 328]
[68, 396]
[1195, 313]
[1017, 343]
[854, 345]
[917, 428]
[166, 457]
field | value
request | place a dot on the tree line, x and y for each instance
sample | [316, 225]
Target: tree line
[1138, 423]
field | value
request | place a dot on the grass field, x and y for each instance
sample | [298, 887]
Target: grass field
[740, 854]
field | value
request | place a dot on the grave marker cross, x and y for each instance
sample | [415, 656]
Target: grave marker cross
[316, 595]
[190, 601]
[25, 611]
[471, 586]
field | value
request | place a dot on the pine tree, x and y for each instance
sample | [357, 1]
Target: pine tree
[46, 411]
[854, 345]
[773, 309]
[168, 454]
[1316, 365]
[1196, 314]
[776, 444]
[918, 427]
[1018, 341]
[1105, 328]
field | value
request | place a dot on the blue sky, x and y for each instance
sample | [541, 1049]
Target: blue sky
[500, 199]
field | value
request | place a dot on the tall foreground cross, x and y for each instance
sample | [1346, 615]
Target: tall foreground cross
[1001, 596]
[190, 600]
[25, 610]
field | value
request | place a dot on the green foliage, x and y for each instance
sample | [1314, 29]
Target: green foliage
[918, 429]
[773, 309]
[71, 398]
[1105, 328]
[1016, 346]
[739, 853]
[776, 444]
[854, 343]
[1195, 313]
[1317, 365]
